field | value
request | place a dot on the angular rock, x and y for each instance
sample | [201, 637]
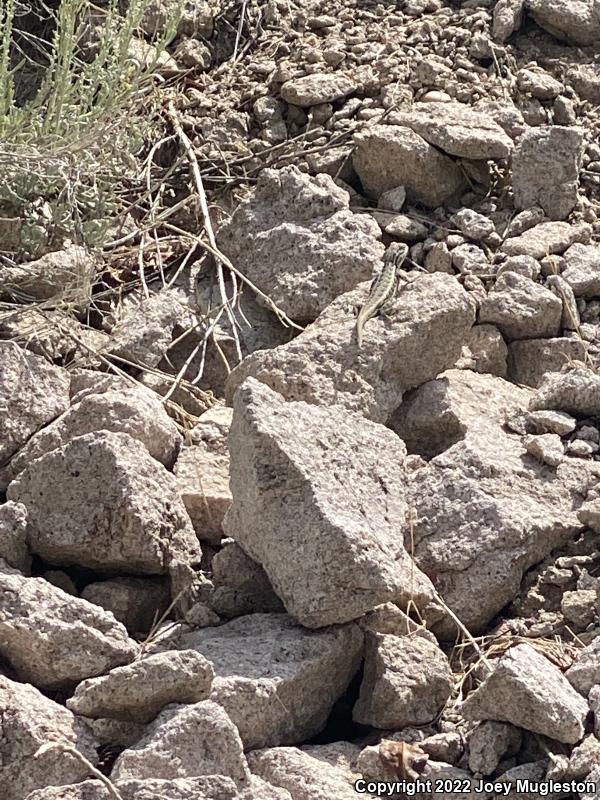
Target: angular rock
[316, 88]
[323, 365]
[136, 602]
[299, 242]
[456, 129]
[555, 190]
[139, 691]
[584, 673]
[582, 271]
[202, 473]
[546, 238]
[353, 559]
[63, 275]
[547, 447]
[28, 720]
[310, 773]
[276, 680]
[32, 393]
[71, 638]
[529, 691]
[387, 156]
[502, 512]
[529, 360]
[407, 681]
[488, 350]
[13, 542]
[240, 584]
[473, 225]
[575, 392]
[542, 85]
[185, 741]
[578, 23]
[130, 411]
[113, 506]
[489, 742]
[521, 308]
[585, 80]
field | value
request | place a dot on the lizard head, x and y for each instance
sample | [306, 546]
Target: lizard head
[396, 253]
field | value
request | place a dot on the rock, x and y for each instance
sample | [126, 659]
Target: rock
[555, 190]
[393, 199]
[202, 473]
[530, 360]
[113, 507]
[578, 23]
[550, 422]
[456, 129]
[582, 270]
[240, 584]
[28, 721]
[207, 787]
[439, 259]
[115, 732]
[501, 513]
[570, 320]
[404, 228]
[488, 350]
[32, 393]
[319, 772]
[489, 742]
[13, 541]
[185, 741]
[508, 15]
[299, 242]
[545, 239]
[546, 447]
[575, 392]
[579, 607]
[540, 84]
[525, 265]
[139, 691]
[585, 80]
[407, 681]
[64, 276]
[276, 680]
[135, 602]
[352, 562]
[322, 365]
[147, 325]
[316, 88]
[524, 221]
[584, 673]
[72, 639]
[521, 308]
[387, 156]
[470, 259]
[529, 691]
[130, 411]
[473, 225]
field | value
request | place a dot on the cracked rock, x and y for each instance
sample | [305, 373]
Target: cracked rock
[529, 691]
[338, 513]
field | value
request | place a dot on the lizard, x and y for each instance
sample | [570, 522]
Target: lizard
[383, 287]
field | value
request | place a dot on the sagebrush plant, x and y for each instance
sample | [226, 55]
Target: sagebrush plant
[67, 151]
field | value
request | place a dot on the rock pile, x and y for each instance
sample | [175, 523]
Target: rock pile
[237, 549]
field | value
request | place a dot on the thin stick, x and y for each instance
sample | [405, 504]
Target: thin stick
[67, 747]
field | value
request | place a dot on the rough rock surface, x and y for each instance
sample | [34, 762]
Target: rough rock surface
[28, 720]
[576, 22]
[139, 691]
[335, 506]
[299, 242]
[582, 269]
[314, 89]
[323, 365]
[407, 680]
[185, 741]
[114, 506]
[13, 541]
[428, 176]
[530, 359]
[136, 602]
[71, 638]
[281, 682]
[521, 308]
[32, 394]
[503, 510]
[526, 689]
